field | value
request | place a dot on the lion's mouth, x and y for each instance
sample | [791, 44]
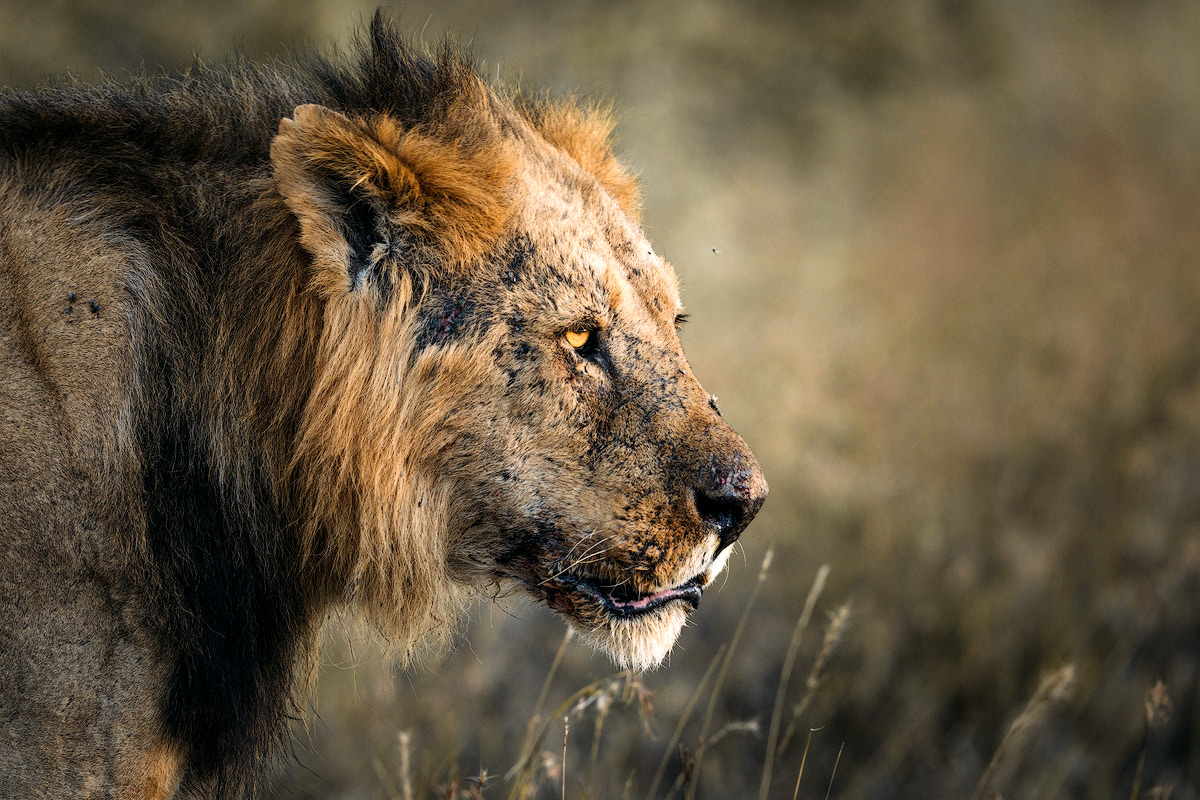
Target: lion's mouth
[621, 600]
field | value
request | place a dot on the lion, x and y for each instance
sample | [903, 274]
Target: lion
[362, 333]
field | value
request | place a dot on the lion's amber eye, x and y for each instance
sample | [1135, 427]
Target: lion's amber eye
[578, 339]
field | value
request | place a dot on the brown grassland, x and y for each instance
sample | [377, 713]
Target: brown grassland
[942, 261]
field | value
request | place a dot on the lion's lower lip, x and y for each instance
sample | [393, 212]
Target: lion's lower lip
[619, 602]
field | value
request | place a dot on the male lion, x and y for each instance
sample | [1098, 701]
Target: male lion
[275, 342]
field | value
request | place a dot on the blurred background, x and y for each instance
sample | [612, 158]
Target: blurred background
[941, 263]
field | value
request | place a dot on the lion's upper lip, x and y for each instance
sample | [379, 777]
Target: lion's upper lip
[621, 600]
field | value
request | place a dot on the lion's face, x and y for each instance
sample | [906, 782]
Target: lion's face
[503, 398]
[602, 477]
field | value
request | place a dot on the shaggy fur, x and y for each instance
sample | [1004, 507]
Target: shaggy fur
[278, 342]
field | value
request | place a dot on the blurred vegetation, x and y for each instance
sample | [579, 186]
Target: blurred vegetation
[941, 259]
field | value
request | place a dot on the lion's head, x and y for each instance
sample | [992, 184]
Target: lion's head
[501, 396]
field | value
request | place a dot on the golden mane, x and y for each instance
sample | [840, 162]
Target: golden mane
[585, 132]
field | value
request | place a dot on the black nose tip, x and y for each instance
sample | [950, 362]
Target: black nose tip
[727, 507]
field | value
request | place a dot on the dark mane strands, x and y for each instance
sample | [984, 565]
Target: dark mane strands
[172, 154]
[229, 113]
[394, 77]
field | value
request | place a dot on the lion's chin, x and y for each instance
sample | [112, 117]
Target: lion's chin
[636, 630]
[642, 642]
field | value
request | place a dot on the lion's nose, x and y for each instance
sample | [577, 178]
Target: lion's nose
[727, 499]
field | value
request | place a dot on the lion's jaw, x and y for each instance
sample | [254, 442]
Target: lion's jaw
[631, 609]
[643, 639]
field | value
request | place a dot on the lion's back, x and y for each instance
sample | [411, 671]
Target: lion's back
[65, 347]
[64, 603]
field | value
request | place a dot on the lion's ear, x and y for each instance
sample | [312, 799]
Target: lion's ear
[343, 184]
[360, 187]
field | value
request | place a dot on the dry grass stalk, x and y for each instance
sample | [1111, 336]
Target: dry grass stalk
[406, 791]
[1158, 712]
[1052, 692]
[623, 684]
[603, 704]
[566, 732]
[733, 646]
[683, 718]
[803, 760]
[1158, 706]
[750, 726]
[531, 726]
[833, 774]
[384, 778]
[685, 773]
[833, 634]
[785, 675]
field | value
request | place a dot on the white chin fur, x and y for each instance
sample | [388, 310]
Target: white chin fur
[640, 643]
